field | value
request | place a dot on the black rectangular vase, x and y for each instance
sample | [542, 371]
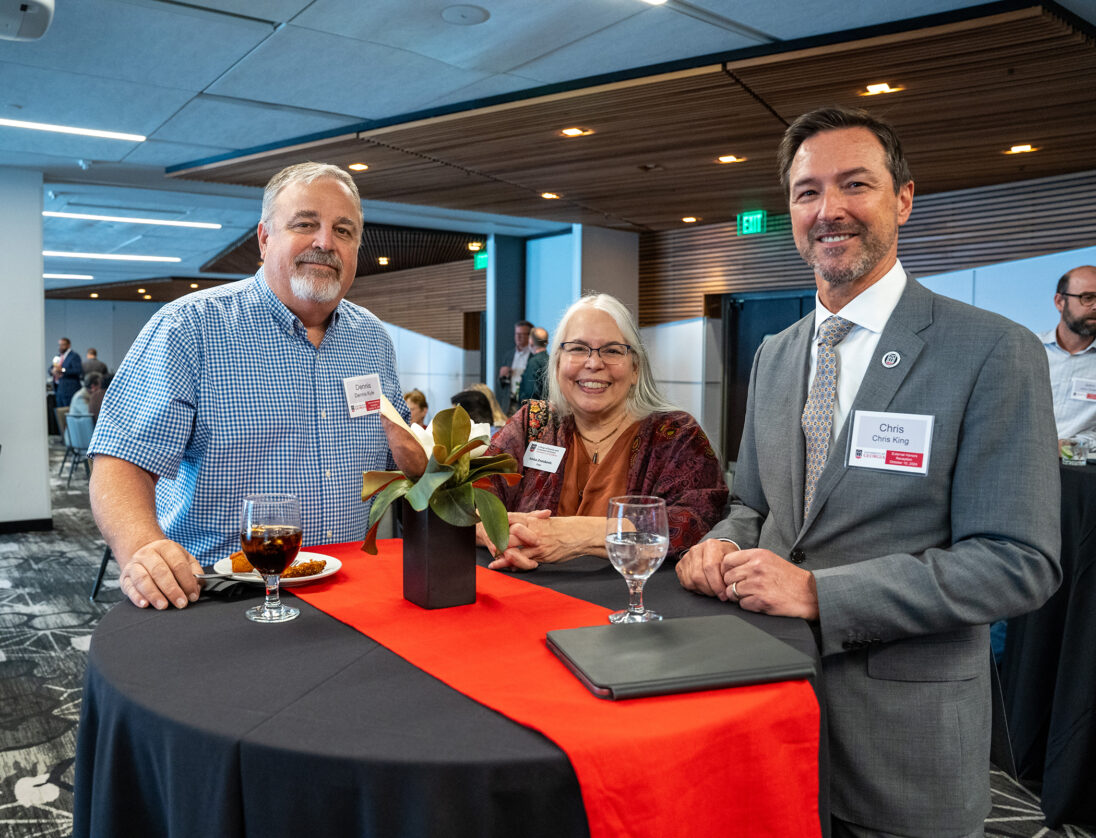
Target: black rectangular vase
[439, 560]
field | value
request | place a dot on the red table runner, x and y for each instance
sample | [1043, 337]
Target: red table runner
[741, 761]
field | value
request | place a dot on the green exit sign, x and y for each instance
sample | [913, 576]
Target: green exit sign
[753, 222]
[479, 261]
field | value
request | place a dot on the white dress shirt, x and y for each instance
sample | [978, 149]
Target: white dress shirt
[1074, 417]
[870, 310]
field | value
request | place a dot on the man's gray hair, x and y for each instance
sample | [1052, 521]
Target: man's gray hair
[307, 173]
[644, 397]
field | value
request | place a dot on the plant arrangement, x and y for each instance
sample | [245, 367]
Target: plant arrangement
[441, 467]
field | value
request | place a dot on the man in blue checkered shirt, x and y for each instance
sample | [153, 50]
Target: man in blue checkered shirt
[239, 389]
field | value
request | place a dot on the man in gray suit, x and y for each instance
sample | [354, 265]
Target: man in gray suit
[897, 486]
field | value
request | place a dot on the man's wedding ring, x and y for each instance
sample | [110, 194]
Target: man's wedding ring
[734, 590]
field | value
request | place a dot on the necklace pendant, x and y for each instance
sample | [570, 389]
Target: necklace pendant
[594, 460]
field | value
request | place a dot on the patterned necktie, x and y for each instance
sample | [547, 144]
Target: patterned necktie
[818, 411]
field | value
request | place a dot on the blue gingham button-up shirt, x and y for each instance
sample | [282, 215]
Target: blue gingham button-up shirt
[223, 395]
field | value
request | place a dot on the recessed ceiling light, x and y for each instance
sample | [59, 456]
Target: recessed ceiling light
[382, 260]
[577, 132]
[550, 196]
[93, 295]
[730, 158]
[690, 219]
[465, 15]
[148, 296]
[203, 225]
[67, 276]
[121, 257]
[358, 167]
[140, 290]
[1021, 149]
[881, 87]
[194, 285]
[654, 2]
[68, 129]
[475, 246]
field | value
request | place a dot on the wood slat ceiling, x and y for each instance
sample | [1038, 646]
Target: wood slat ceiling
[403, 247]
[972, 89]
[155, 290]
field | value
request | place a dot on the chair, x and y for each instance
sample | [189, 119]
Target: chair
[102, 570]
[61, 415]
[78, 428]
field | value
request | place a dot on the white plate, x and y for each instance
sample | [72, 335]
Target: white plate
[333, 565]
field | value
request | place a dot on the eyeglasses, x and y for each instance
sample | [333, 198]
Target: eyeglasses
[611, 354]
[1088, 300]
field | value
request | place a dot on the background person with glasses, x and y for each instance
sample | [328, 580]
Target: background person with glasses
[605, 430]
[1071, 352]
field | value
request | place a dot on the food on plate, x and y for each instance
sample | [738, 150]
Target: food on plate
[240, 564]
[305, 568]
[309, 567]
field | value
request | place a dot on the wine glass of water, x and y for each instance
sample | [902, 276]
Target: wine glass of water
[636, 537]
[270, 536]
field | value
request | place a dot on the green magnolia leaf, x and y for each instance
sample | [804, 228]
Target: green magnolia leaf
[435, 476]
[394, 490]
[452, 427]
[499, 464]
[495, 520]
[456, 506]
[471, 445]
[511, 478]
[374, 481]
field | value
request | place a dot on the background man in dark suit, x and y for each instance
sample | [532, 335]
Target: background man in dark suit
[67, 372]
[896, 485]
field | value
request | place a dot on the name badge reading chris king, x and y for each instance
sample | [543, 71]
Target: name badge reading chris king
[890, 441]
[542, 456]
[363, 394]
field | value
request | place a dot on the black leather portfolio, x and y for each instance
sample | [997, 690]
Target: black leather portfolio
[634, 660]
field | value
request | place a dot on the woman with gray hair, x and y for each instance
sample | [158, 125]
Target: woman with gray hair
[605, 430]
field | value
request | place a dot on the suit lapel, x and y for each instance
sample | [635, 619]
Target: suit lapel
[797, 364]
[912, 315]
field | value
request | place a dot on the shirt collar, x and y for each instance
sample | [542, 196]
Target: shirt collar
[873, 306]
[1050, 340]
[289, 322]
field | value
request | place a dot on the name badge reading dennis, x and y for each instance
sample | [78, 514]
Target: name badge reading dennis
[542, 456]
[891, 441]
[363, 394]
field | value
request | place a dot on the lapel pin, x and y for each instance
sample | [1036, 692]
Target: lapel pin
[891, 359]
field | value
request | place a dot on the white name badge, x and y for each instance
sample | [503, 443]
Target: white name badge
[363, 394]
[890, 441]
[1084, 389]
[542, 456]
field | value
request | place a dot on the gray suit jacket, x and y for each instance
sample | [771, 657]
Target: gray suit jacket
[911, 568]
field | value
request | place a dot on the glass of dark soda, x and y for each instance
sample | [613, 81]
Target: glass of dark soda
[270, 536]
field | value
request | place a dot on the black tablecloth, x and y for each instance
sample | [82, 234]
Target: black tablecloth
[201, 723]
[1048, 673]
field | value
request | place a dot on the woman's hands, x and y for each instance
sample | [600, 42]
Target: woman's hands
[537, 537]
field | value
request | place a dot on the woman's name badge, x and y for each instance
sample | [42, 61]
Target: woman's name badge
[890, 441]
[542, 456]
[363, 394]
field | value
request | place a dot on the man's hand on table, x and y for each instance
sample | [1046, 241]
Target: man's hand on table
[700, 570]
[159, 573]
[760, 580]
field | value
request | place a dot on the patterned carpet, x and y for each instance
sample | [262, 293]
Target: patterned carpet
[46, 622]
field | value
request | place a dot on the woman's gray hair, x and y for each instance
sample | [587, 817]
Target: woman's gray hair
[644, 397]
[307, 173]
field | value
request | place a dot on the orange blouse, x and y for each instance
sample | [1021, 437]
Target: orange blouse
[587, 487]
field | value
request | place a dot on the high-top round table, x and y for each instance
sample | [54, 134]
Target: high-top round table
[200, 722]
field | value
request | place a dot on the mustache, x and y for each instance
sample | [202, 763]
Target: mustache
[823, 228]
[319, 257]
